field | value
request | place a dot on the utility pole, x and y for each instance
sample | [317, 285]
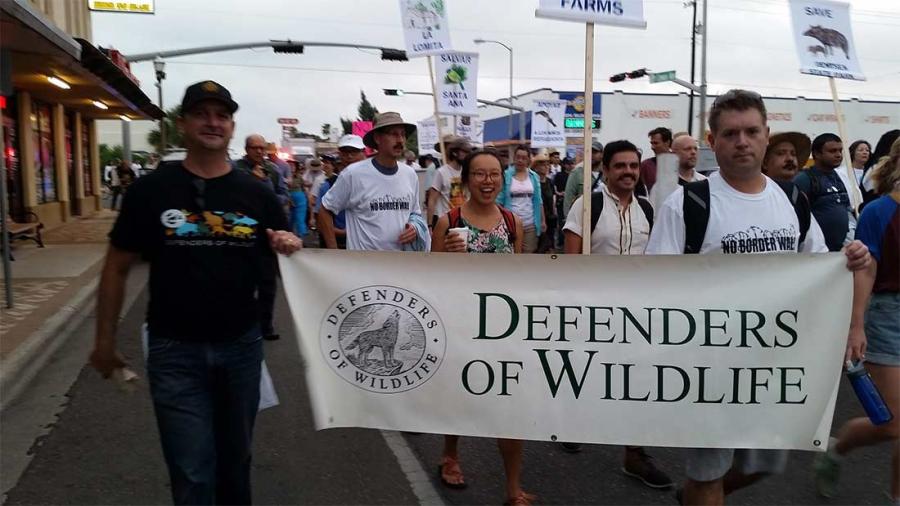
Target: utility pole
[703, 77]
[693, 66]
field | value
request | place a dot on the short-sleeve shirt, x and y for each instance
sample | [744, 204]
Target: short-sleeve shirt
[879, 229]
[739, 223]
[378, 201]
[207, 246]
[521, 204]
[448, 183]
[830, 204]
[619, 231]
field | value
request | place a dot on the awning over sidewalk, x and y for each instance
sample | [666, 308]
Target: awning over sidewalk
[38, 50]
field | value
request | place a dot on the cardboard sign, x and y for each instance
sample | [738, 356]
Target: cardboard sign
[824, 39]
[548, 128]
[425, 27]
[456, 83]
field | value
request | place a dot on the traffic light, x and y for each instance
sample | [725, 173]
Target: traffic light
[617, 78]
[391, 92]
[393, 54]
[634, 74]
[288, 48]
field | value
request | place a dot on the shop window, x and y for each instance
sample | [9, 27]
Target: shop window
[86, 157]
[44, 172]
[11, 156]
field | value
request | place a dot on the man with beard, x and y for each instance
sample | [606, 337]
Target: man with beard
[203, 368]
[379, 194]
[621, 224]
[785, 154]
[826, 191]
[575, 182]
[446, 191]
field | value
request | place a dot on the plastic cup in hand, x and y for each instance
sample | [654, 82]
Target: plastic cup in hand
[462, 232]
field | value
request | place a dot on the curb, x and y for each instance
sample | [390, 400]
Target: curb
[27, 360]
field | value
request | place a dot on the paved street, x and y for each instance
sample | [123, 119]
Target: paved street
[104, 449]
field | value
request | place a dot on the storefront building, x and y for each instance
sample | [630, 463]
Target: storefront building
[54, 86]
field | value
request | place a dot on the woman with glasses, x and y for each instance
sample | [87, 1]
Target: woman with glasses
[488, 228]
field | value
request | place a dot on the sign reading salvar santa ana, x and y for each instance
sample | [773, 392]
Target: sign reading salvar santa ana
[628, 13]
[824, 39]
[456, 82]
[425, 27]
[548, 127]
[607, 350]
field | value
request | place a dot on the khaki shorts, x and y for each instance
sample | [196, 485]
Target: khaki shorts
[530, 241]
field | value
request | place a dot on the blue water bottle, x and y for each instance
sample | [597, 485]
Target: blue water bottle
[868, 394]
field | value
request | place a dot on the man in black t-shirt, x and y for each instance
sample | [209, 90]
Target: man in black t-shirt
[209, 233]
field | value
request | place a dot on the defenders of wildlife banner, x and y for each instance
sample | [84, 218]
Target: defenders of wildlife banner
[456, 83]
[695, 350]
[548, 127]
[425, 27]
[628, 13]
[824, 39]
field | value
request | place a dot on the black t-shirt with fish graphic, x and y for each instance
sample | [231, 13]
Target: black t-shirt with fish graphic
[207, 246]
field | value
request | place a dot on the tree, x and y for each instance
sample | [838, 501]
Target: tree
[108, 154]
[347, 125]
[173, 136]
[366, 110]
[326, 130]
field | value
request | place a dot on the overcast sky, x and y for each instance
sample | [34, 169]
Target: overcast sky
[751, 45]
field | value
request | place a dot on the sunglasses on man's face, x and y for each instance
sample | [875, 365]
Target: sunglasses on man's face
[199, 185]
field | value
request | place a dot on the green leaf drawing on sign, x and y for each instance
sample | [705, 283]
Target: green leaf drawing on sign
[456, 74]
[438, 7]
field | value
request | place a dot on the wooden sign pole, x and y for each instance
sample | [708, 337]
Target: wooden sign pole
[854, 192]
[437, 117]
[588, 123]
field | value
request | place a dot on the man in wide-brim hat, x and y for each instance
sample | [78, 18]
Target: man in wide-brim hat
[380, 195]
[786, 154]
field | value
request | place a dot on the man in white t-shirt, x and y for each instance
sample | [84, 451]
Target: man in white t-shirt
[378, 194]
[747, 213]
[446, 185]
[555, 164]
[622, 228]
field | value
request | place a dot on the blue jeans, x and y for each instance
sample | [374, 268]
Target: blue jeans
[206, 395]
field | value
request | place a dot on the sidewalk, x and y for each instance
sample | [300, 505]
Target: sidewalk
[54, 289]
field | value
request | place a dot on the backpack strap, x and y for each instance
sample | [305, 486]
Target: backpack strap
[596, 209]
[696, 215]
[800, 202]
[453, 217]
[510, 220]
[647, 207]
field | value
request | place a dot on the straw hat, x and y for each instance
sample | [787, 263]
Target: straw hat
[802, 144]
[384, 120]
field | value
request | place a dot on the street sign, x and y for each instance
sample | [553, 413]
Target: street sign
[288, 121]
[659, 77]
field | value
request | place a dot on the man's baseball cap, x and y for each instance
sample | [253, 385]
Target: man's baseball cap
[596, 146]
[351, 141]
[330, 157]
[207, 90]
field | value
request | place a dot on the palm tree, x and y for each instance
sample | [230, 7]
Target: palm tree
[173, 136]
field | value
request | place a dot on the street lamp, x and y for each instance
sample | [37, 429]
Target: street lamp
[159, 65]
[510, 126]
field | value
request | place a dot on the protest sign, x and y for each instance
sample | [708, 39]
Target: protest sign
[456, 82]
[425, 27]
[471, 128]
[599, 349]
[824, 39]
[427, 132]
[605, 12]
[548, 127]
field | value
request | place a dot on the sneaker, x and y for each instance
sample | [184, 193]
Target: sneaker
[827, 470]
[640, 465]
[571, 447]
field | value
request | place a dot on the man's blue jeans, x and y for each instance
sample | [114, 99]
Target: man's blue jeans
[206, 396]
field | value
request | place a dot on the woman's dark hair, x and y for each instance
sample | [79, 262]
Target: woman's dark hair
[883, 148]
[855, 145]
[467, 162]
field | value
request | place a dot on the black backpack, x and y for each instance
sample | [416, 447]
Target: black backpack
[597, 208]
[696, 212]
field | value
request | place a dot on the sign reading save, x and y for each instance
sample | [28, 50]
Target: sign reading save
[660, 77]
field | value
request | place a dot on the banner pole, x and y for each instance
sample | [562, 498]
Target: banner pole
[437, 117]
[588, 123]
[842, 131]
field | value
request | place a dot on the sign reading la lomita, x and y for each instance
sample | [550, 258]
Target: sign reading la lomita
[383, 339]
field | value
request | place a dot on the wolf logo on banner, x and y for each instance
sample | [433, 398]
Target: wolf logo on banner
[387, 339]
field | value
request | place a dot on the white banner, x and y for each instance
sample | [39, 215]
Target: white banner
[471, 128]
[687, 351]
[824, 39]
[456, 82]
[629, 13]
[425, 27]
[548, 127]
[427, 133]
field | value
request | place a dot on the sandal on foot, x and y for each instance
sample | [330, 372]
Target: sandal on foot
[449, 468]
[523, 499]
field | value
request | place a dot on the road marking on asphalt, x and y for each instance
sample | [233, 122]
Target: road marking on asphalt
[418, 478]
